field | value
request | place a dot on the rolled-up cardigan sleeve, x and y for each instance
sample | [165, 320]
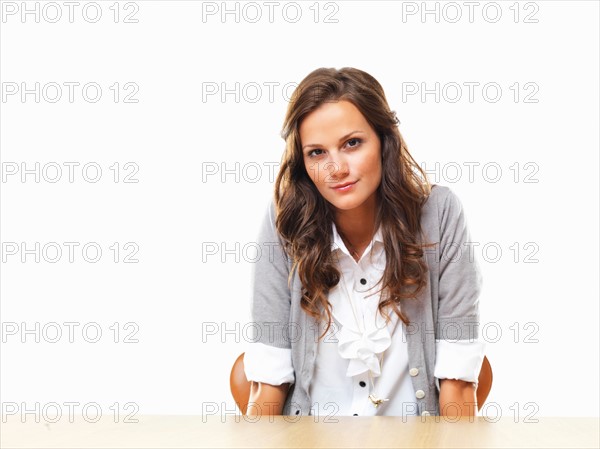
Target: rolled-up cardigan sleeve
[459, 351]
[268, 364]
[460, 359]
[269, 357]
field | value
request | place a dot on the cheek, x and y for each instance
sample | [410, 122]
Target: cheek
[372, 166]
[321, 175]
[378, 167]
[377, 164]
[314, 172]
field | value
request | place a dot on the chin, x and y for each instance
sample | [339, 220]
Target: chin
[345, 204]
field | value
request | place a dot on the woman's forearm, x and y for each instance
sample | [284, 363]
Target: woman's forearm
[266, 399]
[457, 398]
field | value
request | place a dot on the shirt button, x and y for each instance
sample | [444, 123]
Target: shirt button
[363, 281]
[425, 413]
[356, 414]
[420, 394]
[414, 371]
[362, 384]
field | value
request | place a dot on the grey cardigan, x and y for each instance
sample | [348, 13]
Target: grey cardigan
[446, 309]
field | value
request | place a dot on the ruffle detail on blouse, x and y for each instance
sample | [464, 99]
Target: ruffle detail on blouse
[360, 348]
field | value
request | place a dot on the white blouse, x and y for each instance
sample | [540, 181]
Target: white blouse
[357, 359]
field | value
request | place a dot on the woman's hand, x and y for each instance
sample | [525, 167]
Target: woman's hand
[457, 398]
[266, 399]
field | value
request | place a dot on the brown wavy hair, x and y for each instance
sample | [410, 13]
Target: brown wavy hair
[304, 217]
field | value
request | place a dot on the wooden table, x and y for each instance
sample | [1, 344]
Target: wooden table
[284, 432]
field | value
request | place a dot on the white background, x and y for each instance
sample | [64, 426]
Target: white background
[176, 209]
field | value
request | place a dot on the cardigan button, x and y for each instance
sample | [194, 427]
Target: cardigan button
[425, 413]
[363, 281]
[420, 394]
[297, 412]
[413, 372]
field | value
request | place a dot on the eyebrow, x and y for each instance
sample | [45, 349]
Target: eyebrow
[341, 139]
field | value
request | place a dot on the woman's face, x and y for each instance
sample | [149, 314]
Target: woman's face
[339, 148]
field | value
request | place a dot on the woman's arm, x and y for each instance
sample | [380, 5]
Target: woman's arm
[268, 359]
[266, 399]
[457, 398]
[459, 352]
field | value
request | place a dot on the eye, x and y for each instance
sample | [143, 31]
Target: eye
[310, 153]
[356, 140]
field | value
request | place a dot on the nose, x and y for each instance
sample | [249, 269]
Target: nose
[337, 167]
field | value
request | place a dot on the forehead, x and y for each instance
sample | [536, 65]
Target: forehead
[332, 118]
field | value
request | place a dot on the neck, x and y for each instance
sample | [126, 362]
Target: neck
[357, 225]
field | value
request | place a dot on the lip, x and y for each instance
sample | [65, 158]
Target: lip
[344, 187]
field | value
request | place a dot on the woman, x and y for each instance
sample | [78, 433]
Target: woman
[367, 303]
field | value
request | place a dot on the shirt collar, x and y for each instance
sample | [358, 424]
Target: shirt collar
[337, 242]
